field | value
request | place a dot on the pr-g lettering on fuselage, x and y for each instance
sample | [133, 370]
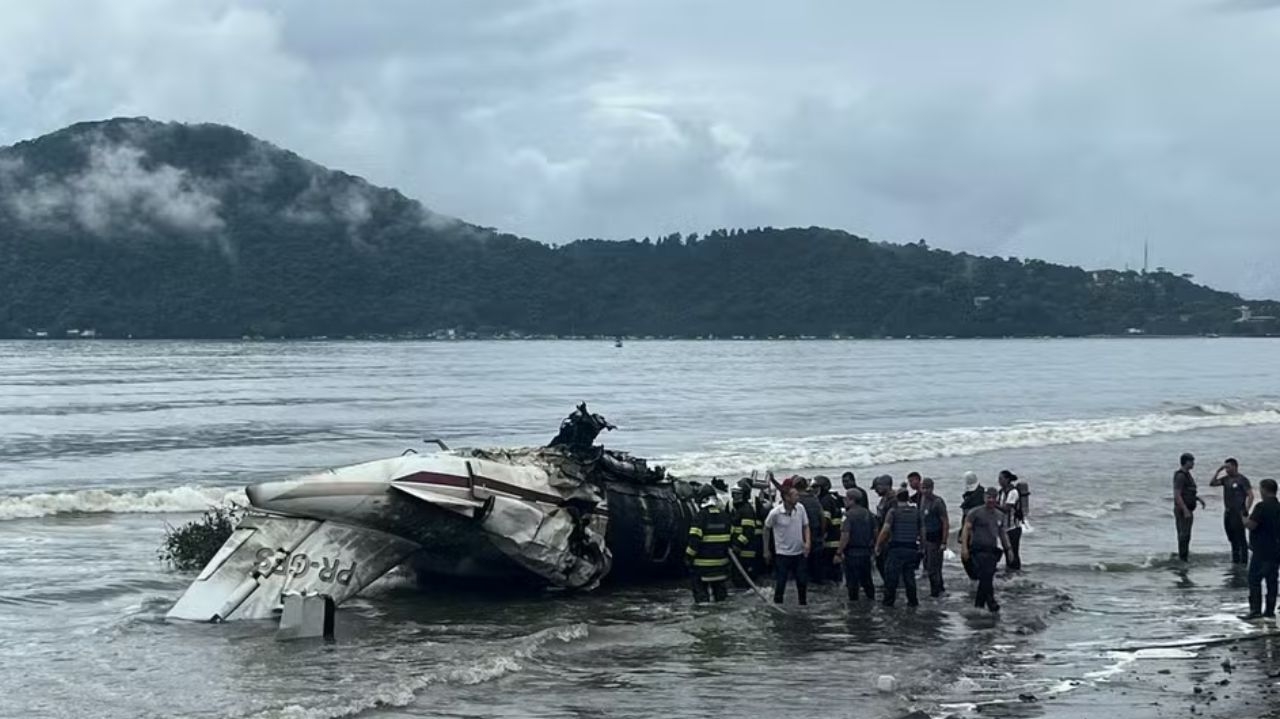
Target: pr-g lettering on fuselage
[297, 565]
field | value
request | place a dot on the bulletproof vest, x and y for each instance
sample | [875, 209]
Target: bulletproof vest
[1189, 492]
[932, 520]
[906, 526]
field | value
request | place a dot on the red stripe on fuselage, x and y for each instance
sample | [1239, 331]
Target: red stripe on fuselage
[448, 480]
[453, 480]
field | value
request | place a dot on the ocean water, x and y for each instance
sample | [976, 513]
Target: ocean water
[103, 443]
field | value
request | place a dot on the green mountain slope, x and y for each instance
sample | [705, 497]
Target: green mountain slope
[146, 229]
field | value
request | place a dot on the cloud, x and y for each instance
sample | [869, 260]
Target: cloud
[118, 193]
[1068, 131]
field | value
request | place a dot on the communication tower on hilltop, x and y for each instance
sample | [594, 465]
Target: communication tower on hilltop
[1146, 254]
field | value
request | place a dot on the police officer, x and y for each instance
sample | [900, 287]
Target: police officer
[937, 526]
[832, 516]
[883, 487]
[900, 539]
[707, 553]
[983, 539]
[746, 532]
[857, 544]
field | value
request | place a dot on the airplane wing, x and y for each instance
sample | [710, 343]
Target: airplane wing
[268, 555]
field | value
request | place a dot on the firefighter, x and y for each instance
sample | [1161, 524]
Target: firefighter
[833, 516]
[746, 533]
[707, 554]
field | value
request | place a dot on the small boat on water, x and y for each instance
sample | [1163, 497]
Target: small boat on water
[618, 342]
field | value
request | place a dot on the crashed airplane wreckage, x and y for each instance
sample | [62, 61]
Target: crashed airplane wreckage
[568, 515]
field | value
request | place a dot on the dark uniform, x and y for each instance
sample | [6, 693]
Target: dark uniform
[970, 500]
[708, 553]
[833, 512]
[1235, 494]
[860, 527]
[903, 555]
[813, 508]
[746, 539]
[1265, 565]
[887, 501]
[1185, 486]
[987, 524]
[933, 512]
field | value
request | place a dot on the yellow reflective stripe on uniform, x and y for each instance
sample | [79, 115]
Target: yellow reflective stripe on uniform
[747, 522]
[826, 515]
[832, 544]
[711, 562]
[695, 531]
[747, 554]
[691, 551]
[742, 539]
[716, 538]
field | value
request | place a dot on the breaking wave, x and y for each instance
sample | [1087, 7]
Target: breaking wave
[98, 501]
[880, 448]
[402, 692]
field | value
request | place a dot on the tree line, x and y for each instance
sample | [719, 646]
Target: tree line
[303, 251]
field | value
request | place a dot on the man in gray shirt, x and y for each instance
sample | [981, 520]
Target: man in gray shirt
[937, 526]
[1237, 499]
[983, 540]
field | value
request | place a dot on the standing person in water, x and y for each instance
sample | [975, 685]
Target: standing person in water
[937, 527]
[1237, 500]
[883, 487]
[1011, 505]
[707, 549]
[1185, 498]
[857, 543]
[817, 529]
[974, 496]
[832, 518]
[913, 484]
[899, 541]
[983, 539]
[787, 532]
[1264, 533]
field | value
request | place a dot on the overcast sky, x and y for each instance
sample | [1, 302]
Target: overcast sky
[1065, 131]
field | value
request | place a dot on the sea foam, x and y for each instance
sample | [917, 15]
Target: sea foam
[870, 449]
[187, 498]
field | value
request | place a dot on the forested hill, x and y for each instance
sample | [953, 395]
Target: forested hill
[144, 229]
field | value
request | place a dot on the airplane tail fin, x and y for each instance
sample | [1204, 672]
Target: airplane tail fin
[268, 555]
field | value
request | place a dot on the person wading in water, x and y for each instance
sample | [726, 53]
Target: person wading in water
[983, 539]
[787, 532]
[1237, 500]
[1184, 503]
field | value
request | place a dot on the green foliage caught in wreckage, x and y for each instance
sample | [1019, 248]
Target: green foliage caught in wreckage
[209, 232]
[189, 547]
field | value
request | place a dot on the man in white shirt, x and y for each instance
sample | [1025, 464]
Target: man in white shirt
[788, 527]
[1011, 505]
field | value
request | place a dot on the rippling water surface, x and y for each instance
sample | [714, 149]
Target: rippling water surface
[102, 443]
